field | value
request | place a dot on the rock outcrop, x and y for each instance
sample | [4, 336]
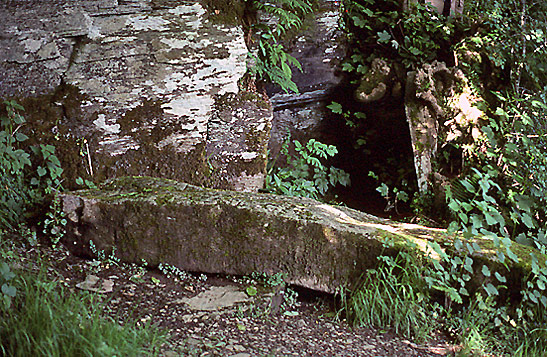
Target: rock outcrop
[441, 111]
[319, 49]
[135, 87]
[195, 229]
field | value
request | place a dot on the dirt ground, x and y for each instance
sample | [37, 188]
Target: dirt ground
[209, 315]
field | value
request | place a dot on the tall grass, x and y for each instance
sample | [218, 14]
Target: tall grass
[396, 296]
[392, 297]
[47, 319]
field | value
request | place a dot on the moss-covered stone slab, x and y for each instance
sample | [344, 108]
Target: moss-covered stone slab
[316, 245]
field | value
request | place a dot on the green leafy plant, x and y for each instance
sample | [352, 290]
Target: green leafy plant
[415, 36]
[25, 180]
[102, 260]
[8, 291]
[13, 160]
[258, 283]
[305, 175]
[173, 272]
[272, 63]
[394, 296]
[55, 221]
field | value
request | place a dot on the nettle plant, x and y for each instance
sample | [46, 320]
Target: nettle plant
[272, 63]
[27, 179]
[304, 174]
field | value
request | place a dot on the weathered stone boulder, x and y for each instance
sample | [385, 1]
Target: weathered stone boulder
[134, 88]
[378, 81]
[441, 110]
[195, 229]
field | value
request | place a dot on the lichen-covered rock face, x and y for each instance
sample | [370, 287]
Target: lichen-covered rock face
[129, 87]
[441, 108]
[196, 229]
[377, 82]
[319, 49]
[236, 149]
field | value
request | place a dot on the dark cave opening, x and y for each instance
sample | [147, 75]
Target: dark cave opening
[387, 153]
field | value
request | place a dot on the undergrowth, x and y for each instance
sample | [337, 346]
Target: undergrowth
[39, 315]
[45, 318]
[416, 294]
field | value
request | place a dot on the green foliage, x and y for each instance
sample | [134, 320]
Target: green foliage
[501, 192]
[511, 35]
[415, 294]
[393, 296]
[411, 37]
[101, 257]
[304, 174]
[13, 160]
[45, 319]
[8, 291]
[271, 61]
[175, 273]
[54, 222]
[25, 179]
[260, 283]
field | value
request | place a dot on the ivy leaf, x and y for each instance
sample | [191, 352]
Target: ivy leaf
[500, 277]
[9, 290]
[485, 271]
[468, 265]
[383, 189]
[359, 22]
[512, 255]
[415, 51]
[41, 171]
[21, 137]
[347, 67]
[527, 220]
[251, 291]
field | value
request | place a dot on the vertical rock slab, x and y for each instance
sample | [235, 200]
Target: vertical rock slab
[441, 109]
[126, 87]
[236, 152]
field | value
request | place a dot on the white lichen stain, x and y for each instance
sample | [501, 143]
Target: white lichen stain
[147, 23]
[101, 124]
[248, 156]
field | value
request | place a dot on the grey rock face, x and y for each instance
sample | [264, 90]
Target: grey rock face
[195, 229]
[441, 109]
[319, 49]
[137, 80]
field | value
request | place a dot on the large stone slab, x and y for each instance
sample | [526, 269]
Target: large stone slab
[316, 245]
[133, 88]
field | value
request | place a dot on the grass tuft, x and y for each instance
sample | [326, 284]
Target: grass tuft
[47, 319]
